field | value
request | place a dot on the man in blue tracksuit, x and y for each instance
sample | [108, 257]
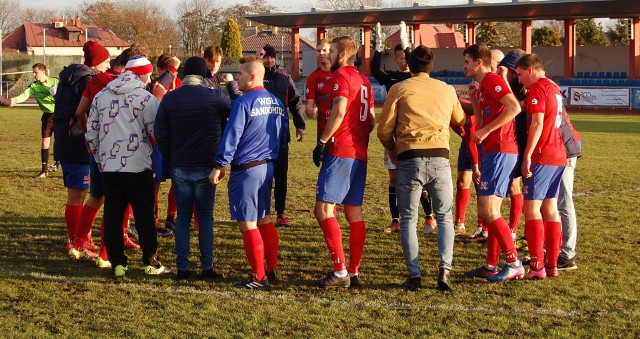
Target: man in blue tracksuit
[250, 144]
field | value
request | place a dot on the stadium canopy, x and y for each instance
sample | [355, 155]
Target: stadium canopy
[467, 13]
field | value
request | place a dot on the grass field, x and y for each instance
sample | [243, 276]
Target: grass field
[43, 294]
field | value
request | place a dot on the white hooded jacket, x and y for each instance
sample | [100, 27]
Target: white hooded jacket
[120, 125]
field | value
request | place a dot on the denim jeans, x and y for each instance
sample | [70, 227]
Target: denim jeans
[191, 184]
[567, 211]
[434, 174]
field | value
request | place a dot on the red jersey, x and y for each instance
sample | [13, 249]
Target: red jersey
[319, 89]
[545, 97]
[503, 139]
[351, 140]
[98, 82]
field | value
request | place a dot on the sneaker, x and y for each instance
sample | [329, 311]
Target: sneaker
[170, 225]
[133, 234]
[567, 264]
[152, 270]
[394, 227]
[354, 281]
[459, 229]
[274, 276]
[551, 271]
[333, 281]
[90, 245]
[536, 275]
[210, 274]
[41, 175]
[253, 284]
[429, 226]
[412, 284]
[54, 167]
[181, 275]
[129, 243]
[481, 272]
[81, 254]
[282, 221]
[508, 273]
[444, 279]
[478, 236]
[525, 260]
[163, 232]
[101, 263]
[120, 271]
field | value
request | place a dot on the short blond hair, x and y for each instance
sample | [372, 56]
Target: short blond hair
[347, 45]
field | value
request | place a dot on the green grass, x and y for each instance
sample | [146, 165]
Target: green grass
[43, 294]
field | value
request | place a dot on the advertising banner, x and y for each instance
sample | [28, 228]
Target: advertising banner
[599, 96]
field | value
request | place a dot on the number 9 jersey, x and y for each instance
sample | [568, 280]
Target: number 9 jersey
[544, 97]
[351, 140]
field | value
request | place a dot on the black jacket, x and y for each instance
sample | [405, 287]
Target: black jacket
[189, 125]
[69, 145]
[387, 79]
[283, 87]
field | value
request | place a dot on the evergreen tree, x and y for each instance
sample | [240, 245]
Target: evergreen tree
[488, 34]
[545, 36]
[230, 42]
[619, 33]
[588, 33]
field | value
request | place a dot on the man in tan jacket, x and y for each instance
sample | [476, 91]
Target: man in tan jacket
[414, 126]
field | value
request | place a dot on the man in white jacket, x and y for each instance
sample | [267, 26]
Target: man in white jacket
[119, 130]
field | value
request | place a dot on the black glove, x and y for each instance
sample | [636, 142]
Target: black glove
[317, 153]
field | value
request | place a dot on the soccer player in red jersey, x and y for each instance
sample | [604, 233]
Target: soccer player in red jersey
[318, 90]
[495, 108]
[343, 175]
[542, 167]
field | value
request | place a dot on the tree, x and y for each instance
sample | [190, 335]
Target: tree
[487, 33]
[545, 36]
[10, 15]
[510, 33]
[619, 33]
[337, 5]
[588, 33]
[198, 22]
[230, 42]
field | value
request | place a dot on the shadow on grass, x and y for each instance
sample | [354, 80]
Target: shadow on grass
[628, 127]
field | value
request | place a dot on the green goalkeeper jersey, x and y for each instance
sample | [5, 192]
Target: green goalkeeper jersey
[40, 91]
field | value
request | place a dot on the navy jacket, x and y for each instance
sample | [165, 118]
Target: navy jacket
[280, 84]
[189, 125]
[69, 145]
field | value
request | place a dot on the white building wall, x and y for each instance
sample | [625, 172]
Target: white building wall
[69, 51]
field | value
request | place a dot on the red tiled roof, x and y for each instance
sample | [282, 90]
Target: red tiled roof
[433, 36]
[281, 41]
[32, 35]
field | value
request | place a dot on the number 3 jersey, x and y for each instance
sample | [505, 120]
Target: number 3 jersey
[351, 140]
[545, 97]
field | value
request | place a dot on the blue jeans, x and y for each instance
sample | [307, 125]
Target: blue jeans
[567, 211]
[434, 174]
[191, 184]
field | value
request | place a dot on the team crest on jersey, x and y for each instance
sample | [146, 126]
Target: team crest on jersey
[321, 85]
[498, 89]
[335, 87]
[534, 101]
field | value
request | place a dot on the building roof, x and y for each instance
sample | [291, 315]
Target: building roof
[280, 40]
[433, 36]
[473, 11]
[33, 34]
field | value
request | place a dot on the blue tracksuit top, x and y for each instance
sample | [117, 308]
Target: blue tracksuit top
[253, 131]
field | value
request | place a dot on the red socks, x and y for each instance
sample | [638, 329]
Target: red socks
[517, 201]
[534, 232]
[254, 248]
[125, 221]
[502, 232]
[333, 238]
[172, 208]
[103, 246]
[493, 250]
[462, 201]
[553, 240]
[72, 219]
[87, 217]
[356, 245]
[270, 239]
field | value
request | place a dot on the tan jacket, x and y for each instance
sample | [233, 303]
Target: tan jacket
[417, 112]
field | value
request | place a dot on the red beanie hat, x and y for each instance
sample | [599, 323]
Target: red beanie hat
[139, 65]
[94, 53]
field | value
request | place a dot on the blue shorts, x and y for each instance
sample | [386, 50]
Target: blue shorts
[75, 175]
[464, 158]
[544, 182]
[96, 189]
[496, 173]
[250, 192]
[342, 181]
[160, 172]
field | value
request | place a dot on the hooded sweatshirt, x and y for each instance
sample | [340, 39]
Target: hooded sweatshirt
[120, 125]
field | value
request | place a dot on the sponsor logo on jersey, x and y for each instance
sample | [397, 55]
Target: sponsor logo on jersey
[498, 89]
[534, 101]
